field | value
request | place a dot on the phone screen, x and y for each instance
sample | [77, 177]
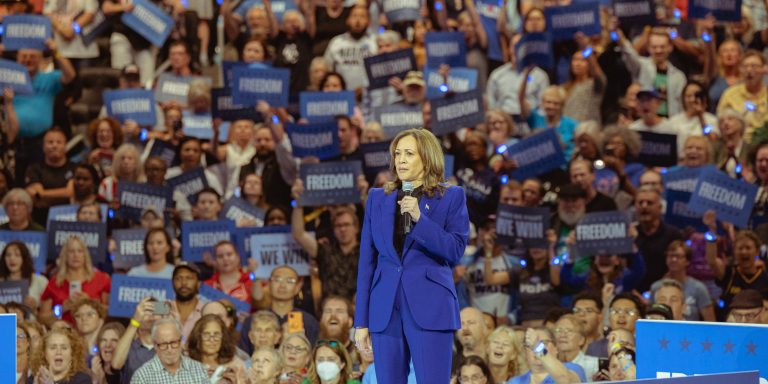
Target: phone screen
[602, 364]
[161, 308]
[75, 287]
[295, 322]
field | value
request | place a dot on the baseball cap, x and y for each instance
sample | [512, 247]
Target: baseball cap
[648, 92]
[660, 309]
[414, 78]
[186, 265]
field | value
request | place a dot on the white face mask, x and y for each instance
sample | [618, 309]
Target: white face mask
[328, 370]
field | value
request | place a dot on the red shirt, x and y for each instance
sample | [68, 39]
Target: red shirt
[100, 283]
[241, 290]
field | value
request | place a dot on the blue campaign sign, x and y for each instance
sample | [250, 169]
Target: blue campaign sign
[237, 209]
[445, 48]
[375, 158]
[321, 107]
[242, 238]
[127, 291]
[227, 66]
[198, 125]
[320, 139]
[722, 10]
[26, 31]
[272, 250]
[459, 80]
[526, 223]
[381, 68]
[677, 348]
[13, 291]
[131, 104]
[68, 212]
[565, 21]
[223, 107]
[208, 293]
[635, 12]
[189, 183]
[399, 117]
[278, 7]
[330, 183]
[8, 339]
[732, 199]
[136, 197]
[163, 150]
[534, 49]
[175, 88]
[536, 154]
[489, 11]
[36, 242]
[97, 28]
[250, 85]
[603, 233]
[94, 235]
[15, 76]
[149, 21]
[657, 149]
[461, 110]
[130, 248]
[402, 10]
[449, 160]
[678, 213]
[199, 237]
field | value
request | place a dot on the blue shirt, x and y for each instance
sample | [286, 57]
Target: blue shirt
[526, 377]
[35, 111]
[564, 129]
[370, 375]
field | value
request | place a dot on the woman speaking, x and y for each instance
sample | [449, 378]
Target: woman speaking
[415, 230]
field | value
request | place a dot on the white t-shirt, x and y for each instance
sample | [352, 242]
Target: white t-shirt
[141, 271]
[345, 55]
[487, 298]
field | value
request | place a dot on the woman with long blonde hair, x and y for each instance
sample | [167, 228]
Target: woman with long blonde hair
[505, 354]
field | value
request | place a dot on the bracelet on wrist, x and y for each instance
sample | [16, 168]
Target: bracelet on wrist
[135, 323]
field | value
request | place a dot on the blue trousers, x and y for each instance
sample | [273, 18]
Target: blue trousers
[403, 340]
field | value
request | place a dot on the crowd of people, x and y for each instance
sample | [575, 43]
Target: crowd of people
[702, 80]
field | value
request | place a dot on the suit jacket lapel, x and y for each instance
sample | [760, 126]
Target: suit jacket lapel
[388, 216]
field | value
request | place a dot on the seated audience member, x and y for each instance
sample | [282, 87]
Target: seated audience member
[659, 312]
[330, 363]
[229, 276]
[186, 286]
[622, 365]
[101, 365]
[76, 277]
[624, 311]
[266, 365]
[296, 352]
[89, 317]
[16, 264]
[284, 285]
[23, 354]
[746, 307]
[169, 365]
[126, 166]
[588, 308]
[541, 356]
[85, 185]
[473, 369]
[505, 355]
[265, 330]
[18, 207]
[570, 343]
[472, 337]
[210, 344]
[158, 256]
[60, 359]
[336, 317]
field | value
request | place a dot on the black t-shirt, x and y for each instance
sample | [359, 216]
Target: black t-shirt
[601, 203]
[328, 28]
[653, 248]
[50, 177]
[734, 282]
[78, 378]
[294, 53]
[537, 294]
[338, 271]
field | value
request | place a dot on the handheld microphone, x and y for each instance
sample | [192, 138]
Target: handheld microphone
[407, 188]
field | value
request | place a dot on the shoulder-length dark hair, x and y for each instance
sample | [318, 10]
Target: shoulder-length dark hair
[168, 256]
[431, 157]
[27, 265]
[476, 361]
[340, 351]
[195, 341]
[333, 74]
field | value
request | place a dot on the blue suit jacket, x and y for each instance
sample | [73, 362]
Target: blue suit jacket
[434, 245]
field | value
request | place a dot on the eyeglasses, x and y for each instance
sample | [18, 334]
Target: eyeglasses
[294, 348]
[21, 336]
[286, 280]
[621, 311]
[172, 344]
[578, 310]
[472, 379]
[215, 336]
[747, 316]
[89, 315]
